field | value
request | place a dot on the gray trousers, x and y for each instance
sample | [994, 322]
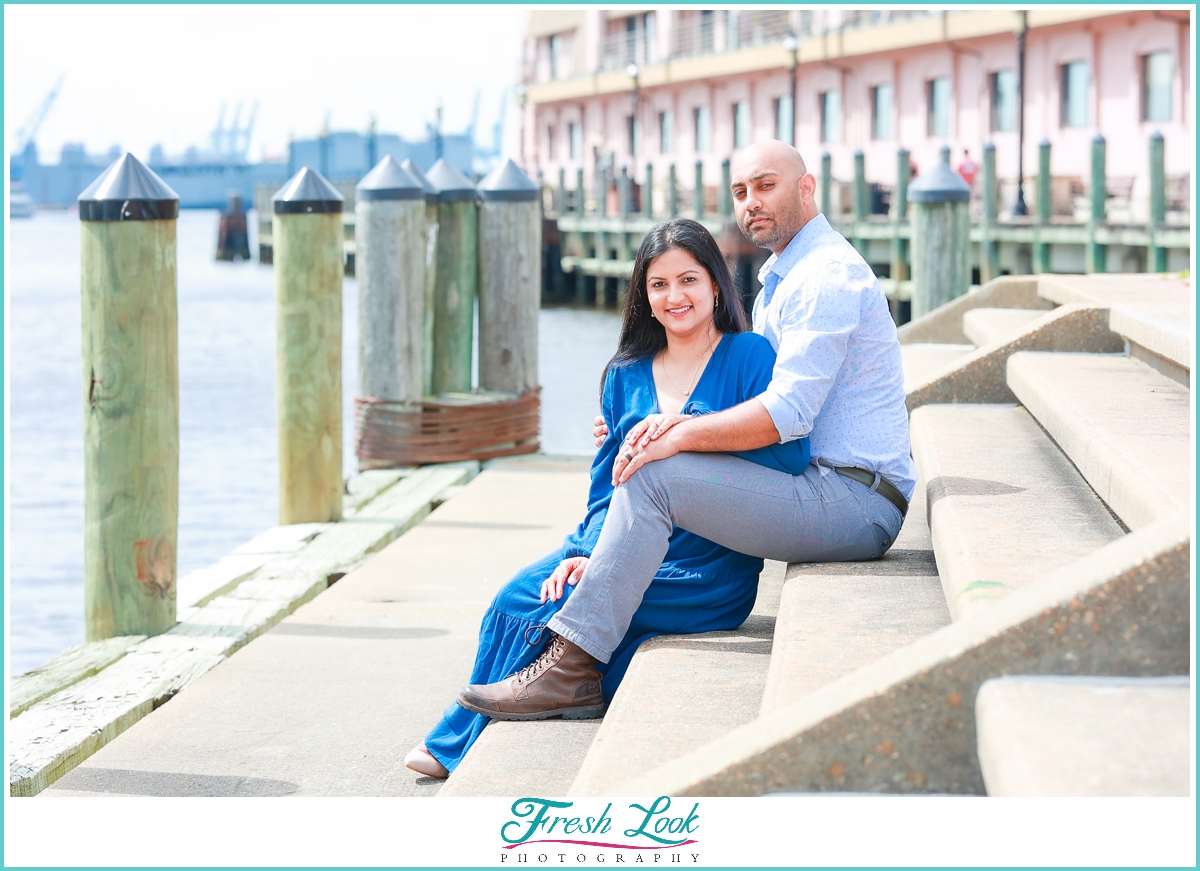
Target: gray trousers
[815, 517]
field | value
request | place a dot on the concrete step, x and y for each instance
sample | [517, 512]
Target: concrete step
[836, 617]
[924, 359]
[1124, 425]
[944, 323]
[1085, 736]
[534, 758]
[682, 691]
[906, 723]
[986, 326]
[1152, 311]
[1005, 505]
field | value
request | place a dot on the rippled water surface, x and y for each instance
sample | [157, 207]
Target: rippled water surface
[228, 477]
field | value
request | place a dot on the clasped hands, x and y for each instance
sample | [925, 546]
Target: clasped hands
[644, 444]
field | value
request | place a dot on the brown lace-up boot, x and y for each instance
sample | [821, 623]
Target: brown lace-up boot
[563, 681]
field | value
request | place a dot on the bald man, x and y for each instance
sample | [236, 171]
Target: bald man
[837, 380]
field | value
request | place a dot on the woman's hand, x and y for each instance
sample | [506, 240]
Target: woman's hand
[569, 571]
[599, 431]
[652, 427]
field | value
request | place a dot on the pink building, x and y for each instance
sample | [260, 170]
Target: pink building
[627, 87]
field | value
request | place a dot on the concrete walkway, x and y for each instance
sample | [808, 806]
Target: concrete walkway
[328, 702]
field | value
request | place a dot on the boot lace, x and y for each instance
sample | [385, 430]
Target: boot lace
[547, 657]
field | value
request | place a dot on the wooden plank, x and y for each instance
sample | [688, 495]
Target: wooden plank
[198, 588]
[283, 539]
[69, 667]
[365, 486]
[55, 735]
[238, 620]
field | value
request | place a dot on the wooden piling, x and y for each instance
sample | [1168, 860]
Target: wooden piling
[698, 192]
[602, 191]
[899, 209]
[861, 205]
[510, 244]
[431, 234]
[726, 197]
[307, 233]
[390, 244]
[580, 194]
[941, 236]
[624, 193]
[672, 193]
[826, 183]
[457, 279]
[1095, 254]
[130, 401]
[648, 195]
[989, 251]
[560, 194]
[1041, 250]
[1156, 256]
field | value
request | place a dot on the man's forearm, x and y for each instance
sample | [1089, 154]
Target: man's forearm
[741, 428]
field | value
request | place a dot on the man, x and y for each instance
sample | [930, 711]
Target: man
[837, 380]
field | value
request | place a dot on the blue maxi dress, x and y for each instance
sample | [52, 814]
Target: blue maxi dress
[701, 586]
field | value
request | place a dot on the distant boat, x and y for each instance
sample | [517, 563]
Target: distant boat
[20, 203]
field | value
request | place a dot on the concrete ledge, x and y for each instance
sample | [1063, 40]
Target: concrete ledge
[1085, 736]
[1005, 505]
[906, 723]
[980, 375]
[534, 758]
[921, 360]
[1124, 426]
[987, 326]
[944, 324]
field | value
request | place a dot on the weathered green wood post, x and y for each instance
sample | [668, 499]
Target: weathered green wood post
[1097, 254]
[648, 196]
[560, 194]
[602, 191]
[989, 254]
[899, 216]
[431, 234]
[941, 235]
[580, 195]
[698, 192]
[860, 199]
[390, 244]
[826, 182]
[308, 237]
[726, 193]
[1157, 256]
[1041, 250]
[581, 240]
[672, 193]
[623, 193]
[457, 278]
[510, 280]
[130, 401]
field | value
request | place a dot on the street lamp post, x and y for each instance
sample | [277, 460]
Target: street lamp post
[792, 46]
[1020, 208]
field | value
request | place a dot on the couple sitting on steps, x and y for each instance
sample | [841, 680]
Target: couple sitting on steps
[718, 448]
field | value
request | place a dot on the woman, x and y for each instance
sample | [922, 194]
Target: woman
[683, 351]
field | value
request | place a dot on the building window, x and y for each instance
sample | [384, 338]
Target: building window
[741, 124]
[707, 25]
[576, 134]
[1157, 71]
[831, 116]
[1075, 94]
[648, 35]
[703, 126]
[631, 38]
[555, 56]
[1003, 87]
[784, 120]
[666, 132]
[881, 112]
[937, 96]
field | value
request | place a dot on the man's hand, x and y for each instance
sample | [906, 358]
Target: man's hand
[599, 431]
[631, 458]
[569, 571]
[652, 427]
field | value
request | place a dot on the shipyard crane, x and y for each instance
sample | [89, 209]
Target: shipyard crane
[27, 133]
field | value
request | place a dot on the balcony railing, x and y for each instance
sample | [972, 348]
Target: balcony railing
[693, 34]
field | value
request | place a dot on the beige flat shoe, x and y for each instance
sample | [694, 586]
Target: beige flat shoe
[422, 761]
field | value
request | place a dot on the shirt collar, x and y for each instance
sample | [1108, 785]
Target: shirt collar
[782, 264]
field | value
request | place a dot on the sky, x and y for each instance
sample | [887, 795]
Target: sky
[137, 75]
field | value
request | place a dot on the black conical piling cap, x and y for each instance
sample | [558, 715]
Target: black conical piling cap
[507, 183]
[452, 186]
[389, 181]
[128, 191]
[940, 185]
[431, 193]
[307, 191]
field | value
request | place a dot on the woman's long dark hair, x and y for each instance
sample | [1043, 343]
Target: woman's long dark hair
[642, 335]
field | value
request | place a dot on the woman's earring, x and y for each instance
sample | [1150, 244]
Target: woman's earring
[716, 301]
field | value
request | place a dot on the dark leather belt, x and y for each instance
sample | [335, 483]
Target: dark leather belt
[886, 490]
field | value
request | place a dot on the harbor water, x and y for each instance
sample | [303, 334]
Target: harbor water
[228, 475]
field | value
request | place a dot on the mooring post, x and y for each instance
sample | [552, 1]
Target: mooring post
[560, 195]
[672, 193]
[726, 197]
[130, 401]
[1041, 250]
[860, 199]
[390, 238]
[899, 208]
[648, 197]
[510, 245]
[698, 192]
[941, 235]
[233, 242]
[623, 194]
[1097, 254]
[580, 193]
[1157, 256]
[457, 278]
[307, 229]
[826, 183]
[989, 260]
[602, 191]
[431, 234]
